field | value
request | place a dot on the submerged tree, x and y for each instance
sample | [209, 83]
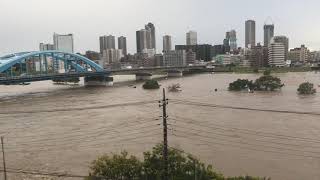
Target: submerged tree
[151, 84]
[241, 84]
[268, 83]
[306, 88]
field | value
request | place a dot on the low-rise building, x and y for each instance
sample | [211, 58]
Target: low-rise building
[301, 54]
[175, 58]
[191, 57]
[111, 56]
[224, 59]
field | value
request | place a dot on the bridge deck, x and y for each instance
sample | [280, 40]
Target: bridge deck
[31, 78]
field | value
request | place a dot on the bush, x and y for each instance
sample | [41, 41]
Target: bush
[241, 84]
[306, 88]
[151, 84]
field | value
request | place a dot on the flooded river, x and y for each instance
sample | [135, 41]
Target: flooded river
[54, 128]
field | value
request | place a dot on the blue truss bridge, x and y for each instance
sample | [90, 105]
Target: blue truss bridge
[33, 66]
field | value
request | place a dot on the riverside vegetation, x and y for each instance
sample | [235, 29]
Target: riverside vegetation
[267, 82]
[151, 84]
[306, 88]
[182, 166]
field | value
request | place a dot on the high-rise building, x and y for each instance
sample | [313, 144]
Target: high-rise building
[150, 27]
[284, 40]
[46, 47]
[167, 46]
[250, 33]
[107, 42]
[233, 40]
[175, 58]
[191, 38]
[143, 40]
[122, 44]
[63, 42]
[276, 54]
[268, 30]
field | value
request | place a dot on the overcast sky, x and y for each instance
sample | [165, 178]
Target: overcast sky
[26, 23]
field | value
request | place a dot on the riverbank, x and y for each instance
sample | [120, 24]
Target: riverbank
[244, 70]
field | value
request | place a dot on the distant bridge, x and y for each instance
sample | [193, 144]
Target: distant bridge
[56, 65]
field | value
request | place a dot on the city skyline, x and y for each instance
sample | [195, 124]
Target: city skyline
[28, 30]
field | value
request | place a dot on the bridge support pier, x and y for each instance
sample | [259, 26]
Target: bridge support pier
[143, 76]
[98, 81]
[175, 73]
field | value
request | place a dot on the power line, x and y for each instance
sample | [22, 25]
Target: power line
[246, 143]
[260, 134]
[113, 138]
[45, 174]
[211, 143]
[185, 102]
[99, 129]
[91, 135]
[80, 108]
[254, 132]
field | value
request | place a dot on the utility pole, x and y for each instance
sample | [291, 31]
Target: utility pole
[4, 161]
[164, 104]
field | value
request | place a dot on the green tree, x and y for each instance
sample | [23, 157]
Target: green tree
[116, 167]
[151, 84]
[306, 88]
[268, 83]
[241, 84]
[180, 166]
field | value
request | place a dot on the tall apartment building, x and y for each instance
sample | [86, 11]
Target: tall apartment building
[122, 44]
[277, 54]
[150, 27]
[233, 40]
[167, 44]
[250, 36]
[191, 38]
[284, 40]
[107, 42]
[63, 42]
[143, 42]
[268, 30]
